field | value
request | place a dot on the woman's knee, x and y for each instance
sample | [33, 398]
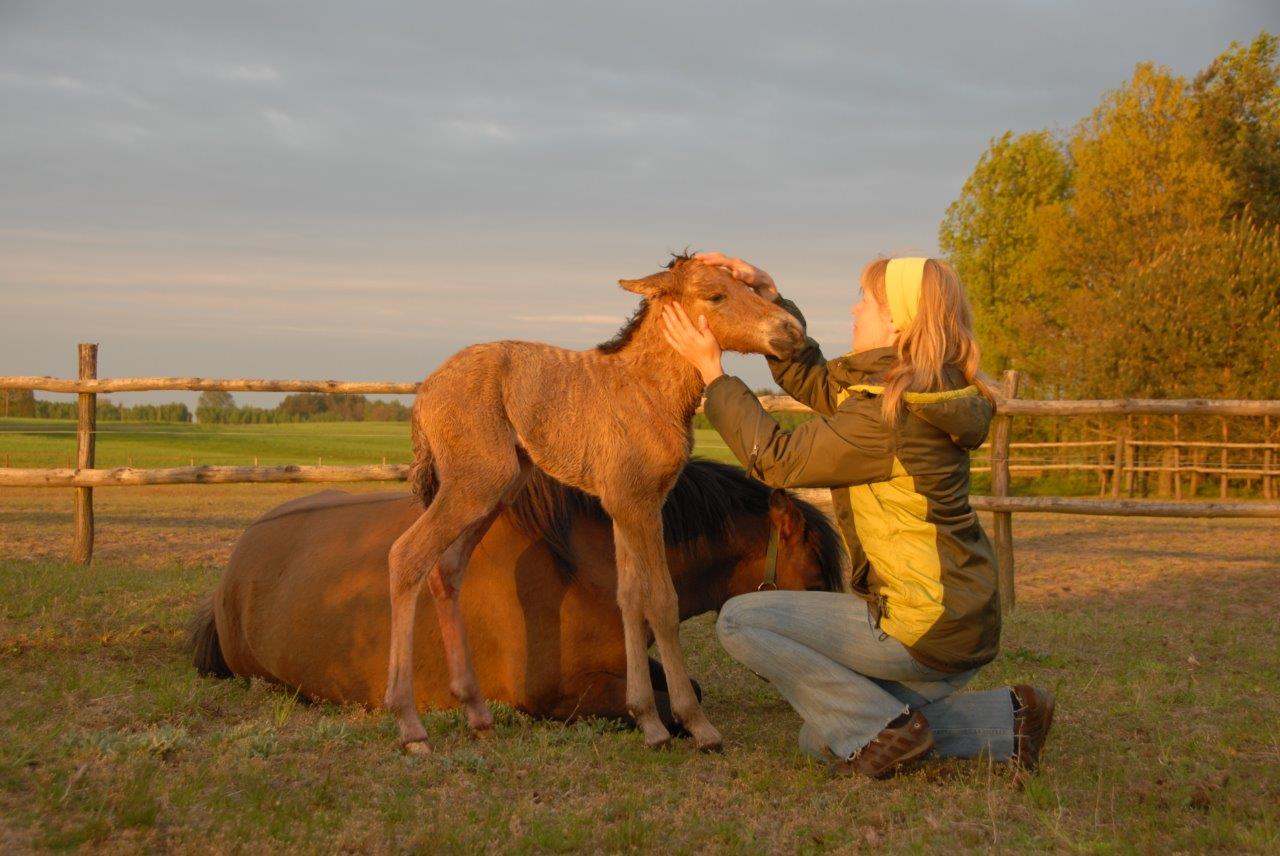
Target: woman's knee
[735, 615]
[728, 622]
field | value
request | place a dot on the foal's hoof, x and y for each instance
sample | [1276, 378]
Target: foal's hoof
[656, 735]
[658, 742]
[482, 733]
[417, 747]
[710, 745]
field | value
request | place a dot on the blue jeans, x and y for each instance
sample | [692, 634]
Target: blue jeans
[848, 680]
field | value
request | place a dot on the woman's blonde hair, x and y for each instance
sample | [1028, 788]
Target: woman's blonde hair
[940, 335]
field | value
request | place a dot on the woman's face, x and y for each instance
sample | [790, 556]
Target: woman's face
[872, 325]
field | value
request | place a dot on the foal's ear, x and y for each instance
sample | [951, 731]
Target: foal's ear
[661, 283]
[784, 514]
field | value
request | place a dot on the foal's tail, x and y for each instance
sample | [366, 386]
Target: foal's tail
[203, 645]
[423, 480]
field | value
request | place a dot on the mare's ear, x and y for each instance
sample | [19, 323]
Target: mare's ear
[784, 514]
[661, 283]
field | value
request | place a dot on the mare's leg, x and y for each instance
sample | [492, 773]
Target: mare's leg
[604, 694]
[641, 530]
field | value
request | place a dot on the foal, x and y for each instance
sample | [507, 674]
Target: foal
[614, 422]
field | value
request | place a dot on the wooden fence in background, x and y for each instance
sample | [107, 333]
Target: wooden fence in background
[84, 477]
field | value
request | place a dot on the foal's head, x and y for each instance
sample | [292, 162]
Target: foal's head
[740, 319]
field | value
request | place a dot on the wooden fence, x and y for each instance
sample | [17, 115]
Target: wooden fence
[84, 477]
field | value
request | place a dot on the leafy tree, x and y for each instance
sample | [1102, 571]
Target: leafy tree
[215, 399]
[991, 232]
[17, 403]
[1139, 258]
[1238, 98]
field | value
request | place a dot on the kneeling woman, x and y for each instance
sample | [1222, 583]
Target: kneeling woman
[875, 677]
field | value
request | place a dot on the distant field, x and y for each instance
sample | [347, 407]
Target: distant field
[52, 443]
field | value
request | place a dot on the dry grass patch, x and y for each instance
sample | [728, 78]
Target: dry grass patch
[1160, 639]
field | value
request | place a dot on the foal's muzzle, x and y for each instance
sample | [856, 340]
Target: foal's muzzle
[787, 339]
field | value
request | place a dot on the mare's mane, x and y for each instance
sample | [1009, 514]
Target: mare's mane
[701, 508]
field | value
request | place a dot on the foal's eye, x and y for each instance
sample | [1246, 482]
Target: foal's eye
[715, 298]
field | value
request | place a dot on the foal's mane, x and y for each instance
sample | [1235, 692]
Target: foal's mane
[700, 508]
[624, 336]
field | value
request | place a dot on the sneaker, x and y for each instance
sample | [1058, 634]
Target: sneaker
[1032, 718]
[905, 739]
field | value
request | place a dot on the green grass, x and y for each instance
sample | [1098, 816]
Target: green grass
[1166, 737]
[52, 443]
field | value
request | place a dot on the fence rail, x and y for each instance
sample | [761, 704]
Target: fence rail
[83, 478]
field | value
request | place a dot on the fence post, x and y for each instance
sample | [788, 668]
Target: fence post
[1130, 459]
[1000, 487]
[1268, 488]
[1117, 471]
[86, 435]
[1222, 479]
[1177, 458]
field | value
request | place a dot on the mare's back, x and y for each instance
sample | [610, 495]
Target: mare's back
[303, 573]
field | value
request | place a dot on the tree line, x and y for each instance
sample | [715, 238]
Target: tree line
[22, 404]
[213, 408]
[221, 408]
[1137, 254]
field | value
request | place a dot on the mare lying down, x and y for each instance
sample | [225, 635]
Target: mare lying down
[305, 598]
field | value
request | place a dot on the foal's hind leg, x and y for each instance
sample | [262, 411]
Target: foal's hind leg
[444, 582]
[462, 501]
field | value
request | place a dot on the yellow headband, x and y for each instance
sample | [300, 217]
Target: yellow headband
[902, 281]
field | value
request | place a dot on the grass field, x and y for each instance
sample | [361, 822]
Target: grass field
[1160, 638]
[52, 443]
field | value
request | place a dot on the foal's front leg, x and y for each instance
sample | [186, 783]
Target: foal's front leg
[643, 533]
[639, 692]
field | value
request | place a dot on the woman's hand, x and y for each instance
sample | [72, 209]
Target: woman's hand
[748, 274]
[697, 344]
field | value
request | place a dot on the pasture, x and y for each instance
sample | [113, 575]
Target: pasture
[1158, 635]
[52, 442]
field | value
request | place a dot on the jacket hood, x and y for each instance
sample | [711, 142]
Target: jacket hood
[963, 413]
[961, 410]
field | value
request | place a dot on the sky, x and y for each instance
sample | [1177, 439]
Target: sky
[357, 190]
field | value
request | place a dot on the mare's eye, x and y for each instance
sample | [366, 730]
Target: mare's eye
[715, 298]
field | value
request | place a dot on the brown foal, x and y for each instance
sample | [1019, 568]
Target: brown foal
[615, 422]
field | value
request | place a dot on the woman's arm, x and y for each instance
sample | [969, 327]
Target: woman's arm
[850, 447]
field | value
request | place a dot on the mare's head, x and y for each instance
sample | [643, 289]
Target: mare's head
[809, 554]
[740, 319]
[716, 522]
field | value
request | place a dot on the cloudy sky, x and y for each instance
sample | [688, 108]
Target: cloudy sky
[356, 190]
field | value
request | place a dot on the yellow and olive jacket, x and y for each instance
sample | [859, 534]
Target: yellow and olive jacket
[901, 494]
